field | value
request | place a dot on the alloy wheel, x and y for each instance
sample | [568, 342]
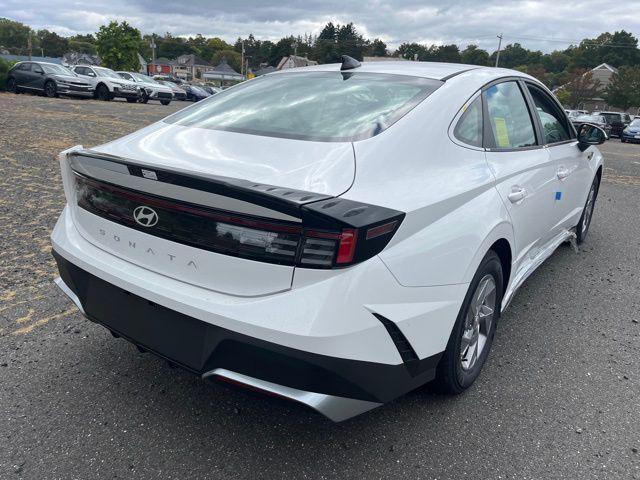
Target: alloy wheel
[478, 322]
[50, 90]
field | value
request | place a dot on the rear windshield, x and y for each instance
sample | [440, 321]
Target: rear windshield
[319, 106]
[612, 117]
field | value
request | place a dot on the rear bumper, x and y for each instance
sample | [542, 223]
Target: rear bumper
[630, 137]
[336, 387]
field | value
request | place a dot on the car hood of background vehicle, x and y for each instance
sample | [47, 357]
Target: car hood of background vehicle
[319, 167]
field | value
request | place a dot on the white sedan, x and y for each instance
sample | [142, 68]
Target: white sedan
[149, 88]
[337, 235]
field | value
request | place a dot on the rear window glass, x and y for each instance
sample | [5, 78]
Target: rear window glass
[320, 106]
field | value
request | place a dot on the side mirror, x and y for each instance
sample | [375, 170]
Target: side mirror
[589, 134]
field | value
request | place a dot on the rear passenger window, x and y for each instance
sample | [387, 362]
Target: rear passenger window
[509, 118]
[554, 123]
[469, 127]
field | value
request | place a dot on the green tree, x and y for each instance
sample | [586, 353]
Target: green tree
[473, 55]
[233, 58]
[52, 44]
[212, 46]
[445, 53]
[412, 51]
[82, 47]
[326, 50]
[118, 45]
[172, 47]
[14, 36]
[624, 89]
[377, 48]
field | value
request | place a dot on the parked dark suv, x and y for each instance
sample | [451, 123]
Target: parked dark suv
[617, 120]
[47, 78]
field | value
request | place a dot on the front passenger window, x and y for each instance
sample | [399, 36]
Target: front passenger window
[509, 119]
[554, 126]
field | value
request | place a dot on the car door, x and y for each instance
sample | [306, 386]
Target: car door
[525, 175]
[37, 77]
[573, 172]
[21, 74]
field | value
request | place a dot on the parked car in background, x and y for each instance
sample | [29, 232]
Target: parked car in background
[631, 132]
[195, 93]
[261, 237]
[178, 93]
[210, 89]
[108, 84]
[47, 78]
[599, 120]
[149, 88]
[617, 120]
[575, 113]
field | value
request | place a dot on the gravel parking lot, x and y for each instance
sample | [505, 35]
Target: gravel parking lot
[559, 396]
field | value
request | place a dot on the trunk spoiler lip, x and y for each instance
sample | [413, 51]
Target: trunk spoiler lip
[285, 200]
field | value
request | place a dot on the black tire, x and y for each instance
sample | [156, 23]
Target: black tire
[103, 93]
[51, 89]
[582, 229]
[165, 102]
[12, 86]
[132, 100]
[144, 98]
[451, 376]
[622, 140]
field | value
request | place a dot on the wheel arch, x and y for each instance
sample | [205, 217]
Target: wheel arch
[501, 241]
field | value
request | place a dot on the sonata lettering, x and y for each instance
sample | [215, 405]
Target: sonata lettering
[171, 257]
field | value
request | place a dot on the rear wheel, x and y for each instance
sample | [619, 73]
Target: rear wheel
[587, 213]
[132, 100]
[51, 89]
[474, 329]
[165, 102]
[12, 86]
[144, 98]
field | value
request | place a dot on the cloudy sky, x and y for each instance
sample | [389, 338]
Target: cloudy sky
[541, 24]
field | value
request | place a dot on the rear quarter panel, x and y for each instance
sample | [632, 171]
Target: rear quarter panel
[454, 212]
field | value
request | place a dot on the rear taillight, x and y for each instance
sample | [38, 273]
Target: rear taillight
[333, 233]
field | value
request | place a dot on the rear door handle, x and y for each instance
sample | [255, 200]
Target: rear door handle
[517, 194]
[563, 173]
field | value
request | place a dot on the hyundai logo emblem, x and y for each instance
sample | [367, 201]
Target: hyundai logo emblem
[145, 216]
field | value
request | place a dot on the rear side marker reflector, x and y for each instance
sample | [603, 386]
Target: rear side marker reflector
[381, 230]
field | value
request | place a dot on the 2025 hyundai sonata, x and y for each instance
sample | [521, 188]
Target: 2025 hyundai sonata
[336, 235]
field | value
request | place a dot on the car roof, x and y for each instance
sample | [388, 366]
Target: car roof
[433, 70]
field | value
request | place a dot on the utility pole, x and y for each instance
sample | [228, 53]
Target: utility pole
[295, 48]
[153, 47]
[242, 61]
[499, 47]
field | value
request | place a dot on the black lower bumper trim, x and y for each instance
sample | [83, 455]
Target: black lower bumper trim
[201, 347]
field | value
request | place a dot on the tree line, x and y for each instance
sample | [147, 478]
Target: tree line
[119, 43]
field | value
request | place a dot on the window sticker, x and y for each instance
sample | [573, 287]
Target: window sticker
[502, 134]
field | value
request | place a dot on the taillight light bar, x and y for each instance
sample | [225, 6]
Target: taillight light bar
[334, 233]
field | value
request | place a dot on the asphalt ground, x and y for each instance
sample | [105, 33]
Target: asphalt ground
[558, 399]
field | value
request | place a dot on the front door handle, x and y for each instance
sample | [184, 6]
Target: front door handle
[563, 172]
[517, 194]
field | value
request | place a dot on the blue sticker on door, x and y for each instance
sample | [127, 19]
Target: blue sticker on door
[558, 195]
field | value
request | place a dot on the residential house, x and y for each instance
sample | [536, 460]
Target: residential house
[161, 66]
[222, 73]
[294, 61]
[190, 66]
